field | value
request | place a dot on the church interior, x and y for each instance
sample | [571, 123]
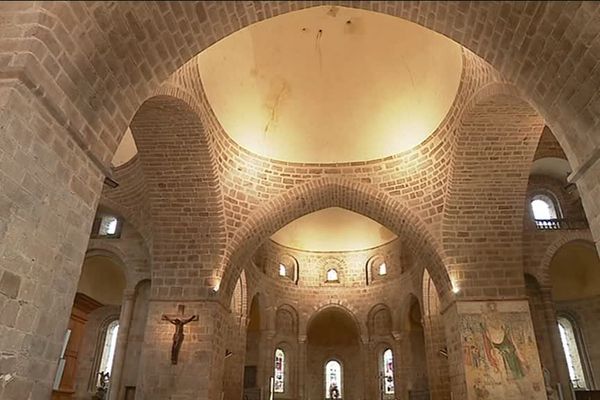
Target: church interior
[292, 200]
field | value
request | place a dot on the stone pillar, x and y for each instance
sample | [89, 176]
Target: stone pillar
[437, 364]
[266, 360]
[492, 351]
[302, 367]
[48, 197]
[199, 371]
[587, 178]
[122, 340]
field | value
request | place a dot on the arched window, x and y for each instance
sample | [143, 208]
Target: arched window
[333, 380]
[108, 351]
[382, 269]
[572, 353]
[279, 375]
[544, 208]
[282, 270]
[332, 275]
[388, 372]
[288, 268]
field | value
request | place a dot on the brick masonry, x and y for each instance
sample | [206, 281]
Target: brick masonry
[74, 75]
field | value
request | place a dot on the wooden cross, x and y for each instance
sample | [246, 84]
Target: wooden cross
[179, 322]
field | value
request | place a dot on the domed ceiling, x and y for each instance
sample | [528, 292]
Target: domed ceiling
[331, 84]
[333, 229]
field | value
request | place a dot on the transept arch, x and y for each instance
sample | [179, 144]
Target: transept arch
[331, 192]
[201, 28]
[492, 154]
[180, 174]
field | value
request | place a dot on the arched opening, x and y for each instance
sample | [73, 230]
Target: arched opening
[334, 355]
[254, 381]
[91, 339]
[387, 372]
[279, 373]
[574, 353]
[575, 277]
[334, 388]
[414, 379]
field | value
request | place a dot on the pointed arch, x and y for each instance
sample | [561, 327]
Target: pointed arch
[332, 192]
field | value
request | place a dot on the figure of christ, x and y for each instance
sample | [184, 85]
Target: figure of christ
[178, 335]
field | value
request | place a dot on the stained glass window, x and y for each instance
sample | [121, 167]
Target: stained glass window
[570, 347]
[279, 376]
[333, 380]
[388, 372]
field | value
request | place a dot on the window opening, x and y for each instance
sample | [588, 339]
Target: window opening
[108, 352]
[332, 275]
[572, 353]
[333, 380]
[279, 376]
[388, 372]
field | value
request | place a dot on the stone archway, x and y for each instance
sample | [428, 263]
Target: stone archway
[330, 192]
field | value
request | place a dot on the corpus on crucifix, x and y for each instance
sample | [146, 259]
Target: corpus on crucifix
[178, 336]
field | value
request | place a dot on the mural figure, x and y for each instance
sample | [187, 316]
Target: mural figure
[488, 347]
[509, 354]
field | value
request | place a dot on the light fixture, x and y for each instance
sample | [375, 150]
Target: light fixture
[455, 289]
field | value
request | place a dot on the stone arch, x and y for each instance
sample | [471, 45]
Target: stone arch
[380, 321]
[541, 271]
[329, 192]
[286, 320]
[347, 309]
[239, 300]
[404, 312]
[181, 179]
[117, 256]
[205, 23]
[492, 155]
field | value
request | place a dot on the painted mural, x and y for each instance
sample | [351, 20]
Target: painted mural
[500, 354]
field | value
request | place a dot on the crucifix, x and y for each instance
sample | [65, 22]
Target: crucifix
[179, 323]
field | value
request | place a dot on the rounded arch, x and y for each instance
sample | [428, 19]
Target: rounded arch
[117, 256]
[542, 271]
[331, 192]
[181, 178]
[203, 28]
[344, 309]
[286, 320]
[492, 154]
[405, 318]
[376, 313]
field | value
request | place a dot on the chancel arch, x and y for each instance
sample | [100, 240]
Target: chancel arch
[332, 192]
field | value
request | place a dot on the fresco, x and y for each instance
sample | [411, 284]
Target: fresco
[499, 352]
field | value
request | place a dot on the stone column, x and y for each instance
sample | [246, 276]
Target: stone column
[437, 364]
[302, 366]
[199, 371]
[48, 197]
[492, 351]
[122, 340]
